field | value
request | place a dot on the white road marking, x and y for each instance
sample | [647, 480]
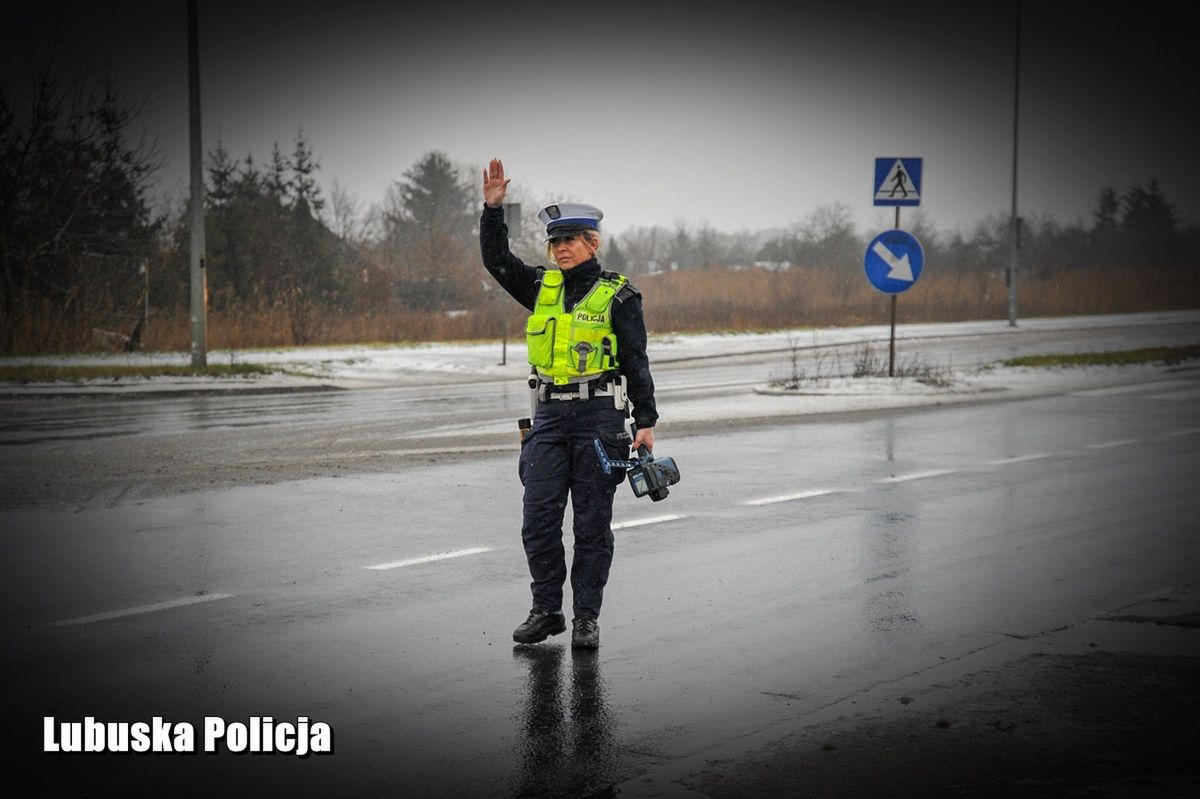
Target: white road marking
[1189, 432]
[134, 611]
[1107, 444]
[900, 478]
[450, 448]
[670, 517]
[1104, 392]
[458, 553]
[1022, 458]
[816, 492]
[701, 386]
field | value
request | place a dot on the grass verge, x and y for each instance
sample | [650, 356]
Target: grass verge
[44, 373]
[1167, 355]
[865, 363]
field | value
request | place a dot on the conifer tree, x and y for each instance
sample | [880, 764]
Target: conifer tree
[1107, 207]
[430, 236]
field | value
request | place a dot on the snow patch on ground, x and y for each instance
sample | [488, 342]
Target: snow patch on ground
[359, 366]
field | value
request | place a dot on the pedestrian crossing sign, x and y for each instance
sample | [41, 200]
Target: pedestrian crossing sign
[898, 181]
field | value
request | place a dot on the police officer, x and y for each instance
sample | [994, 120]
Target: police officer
[587, 347]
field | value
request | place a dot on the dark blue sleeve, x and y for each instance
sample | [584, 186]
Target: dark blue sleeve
[513, 275]
[630, 328]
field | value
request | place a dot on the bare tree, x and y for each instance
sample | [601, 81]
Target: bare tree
[349, 222]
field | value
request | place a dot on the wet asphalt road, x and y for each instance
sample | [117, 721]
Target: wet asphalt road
[812, 559]
[79, 453]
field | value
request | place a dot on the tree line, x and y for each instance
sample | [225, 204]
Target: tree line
[83, 260]
[274, 241]
[1139, 227]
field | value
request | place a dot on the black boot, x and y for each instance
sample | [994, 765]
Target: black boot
[539, 625]
[585, 633]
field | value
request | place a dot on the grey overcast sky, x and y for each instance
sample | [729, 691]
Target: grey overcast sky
[742, 115]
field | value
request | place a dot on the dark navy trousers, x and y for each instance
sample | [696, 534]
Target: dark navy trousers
[559, 459]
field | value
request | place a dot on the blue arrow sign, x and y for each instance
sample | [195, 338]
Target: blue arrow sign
[894, 261]
[898, 181]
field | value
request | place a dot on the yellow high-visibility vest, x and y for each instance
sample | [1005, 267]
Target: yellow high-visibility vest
[566, 347]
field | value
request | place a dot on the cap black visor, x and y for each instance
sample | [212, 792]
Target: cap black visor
[563, 231]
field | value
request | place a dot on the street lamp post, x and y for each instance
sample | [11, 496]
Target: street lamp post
[199, 280]
[1014, 231]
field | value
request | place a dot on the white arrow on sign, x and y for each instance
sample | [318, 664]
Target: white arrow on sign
[900, 267]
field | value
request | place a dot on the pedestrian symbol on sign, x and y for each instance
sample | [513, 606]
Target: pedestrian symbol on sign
[898, 181]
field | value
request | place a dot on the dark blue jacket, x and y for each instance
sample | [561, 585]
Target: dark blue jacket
[523, 281]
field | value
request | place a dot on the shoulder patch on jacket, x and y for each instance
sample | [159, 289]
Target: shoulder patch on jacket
[627, 292]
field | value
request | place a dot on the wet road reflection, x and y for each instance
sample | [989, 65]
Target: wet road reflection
[566, 745]
[888, 538]
[890, 607]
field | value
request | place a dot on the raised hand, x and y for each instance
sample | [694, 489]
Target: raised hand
[494, 184]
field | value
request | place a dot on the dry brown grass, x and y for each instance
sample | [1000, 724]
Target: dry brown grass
[272, 327]
[759, 299]
[706, 300]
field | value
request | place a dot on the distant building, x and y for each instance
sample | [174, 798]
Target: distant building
[774, 266]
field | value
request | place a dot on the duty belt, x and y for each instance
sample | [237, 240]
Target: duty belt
[601, 387]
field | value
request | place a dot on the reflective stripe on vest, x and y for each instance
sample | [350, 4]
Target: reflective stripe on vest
[567, 346]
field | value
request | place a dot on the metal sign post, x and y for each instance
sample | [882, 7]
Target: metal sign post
[512, 218]
[892, 334]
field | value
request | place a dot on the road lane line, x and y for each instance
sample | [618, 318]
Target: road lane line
[900, 478]
[670, 517]
[458, 553]
[1189, 432]
[1022, 458]
[1120, 443]
[134, 611]
[448, 449]
[816, 492]
[1130, 389]
[702, 386]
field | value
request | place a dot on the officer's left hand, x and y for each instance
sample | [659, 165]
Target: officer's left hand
[644, 437]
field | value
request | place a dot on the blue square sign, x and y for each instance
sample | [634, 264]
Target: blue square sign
[898, 181]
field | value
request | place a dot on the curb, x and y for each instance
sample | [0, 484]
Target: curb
[160, 393]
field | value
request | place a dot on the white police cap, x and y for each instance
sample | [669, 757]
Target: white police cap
[570, 219]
